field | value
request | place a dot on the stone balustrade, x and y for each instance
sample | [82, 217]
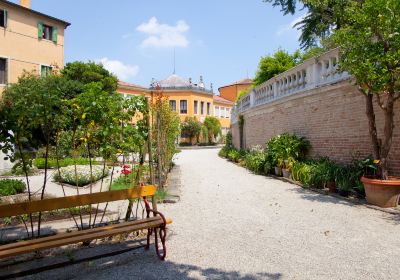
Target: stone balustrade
[312, 73]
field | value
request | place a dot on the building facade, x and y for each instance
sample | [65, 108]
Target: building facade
[231, 91]
[29, 41]
[187, 98]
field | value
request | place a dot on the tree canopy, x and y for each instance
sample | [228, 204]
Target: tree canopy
[323, 17]
[86, 73]
[272, 65]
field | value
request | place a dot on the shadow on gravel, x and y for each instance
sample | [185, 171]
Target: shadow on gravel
[154, 269]
[314, 196]
[394, 219]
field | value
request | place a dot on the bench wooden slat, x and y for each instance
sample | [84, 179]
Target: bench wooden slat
[88, 235]
[58, 236]
[49, 204]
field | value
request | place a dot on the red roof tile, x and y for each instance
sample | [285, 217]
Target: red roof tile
[219, 99]
[125, 84]
[240, 82]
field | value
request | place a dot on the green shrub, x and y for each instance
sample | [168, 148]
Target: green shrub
[11, 187]
[255, 160]
[52, 162]
[223, 152]
[233, 155]
[82, 176]
[287, 147]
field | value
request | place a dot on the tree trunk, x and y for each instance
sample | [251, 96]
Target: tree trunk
[372, 125]
[388, 135]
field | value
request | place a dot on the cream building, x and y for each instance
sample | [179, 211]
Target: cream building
[29, 41]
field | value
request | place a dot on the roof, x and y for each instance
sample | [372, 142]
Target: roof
[35, 12]
[219, 99]
[125, 84]
[246, 81]
[174, 81]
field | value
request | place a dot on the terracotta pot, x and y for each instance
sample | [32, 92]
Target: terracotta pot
[383, 193]
[278, 171]
[332, 187]
[286, 173]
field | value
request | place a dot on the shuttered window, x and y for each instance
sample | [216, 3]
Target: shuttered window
[3, 71]
[47, 32]
[196, 105]
[45, 70]
[172, 104]
[208, 108]
[202, 107]
[3, 18]
[183, 106]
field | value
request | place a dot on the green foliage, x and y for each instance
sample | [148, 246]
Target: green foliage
[287, 147]
[233, 155]
[241, 94]
[213, 126]
[315, 173]
[167, 134]
[323, 16]
[255, 160]
[272, 65]
[80, 175]
[52, 162]
[191, 128]
[369, 45]
[11, 187]
[161, 195]
[312, 52]
[86, 73]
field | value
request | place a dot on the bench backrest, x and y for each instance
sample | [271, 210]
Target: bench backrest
[48, 204]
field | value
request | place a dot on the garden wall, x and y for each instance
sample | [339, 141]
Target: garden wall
[332, 118]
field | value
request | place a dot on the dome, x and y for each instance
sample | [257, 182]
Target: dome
[174, 81]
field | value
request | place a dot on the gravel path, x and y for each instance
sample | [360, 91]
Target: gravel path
[231, 224]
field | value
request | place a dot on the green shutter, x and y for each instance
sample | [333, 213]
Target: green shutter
[5, 18]
[55, 33]
[40, 30]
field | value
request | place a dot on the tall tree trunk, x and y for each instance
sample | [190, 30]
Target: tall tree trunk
[388, 134]
[372, 125]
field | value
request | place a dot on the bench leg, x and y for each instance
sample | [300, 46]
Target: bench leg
[162, 232]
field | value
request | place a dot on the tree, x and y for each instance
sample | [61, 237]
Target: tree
[323, 17]
[191, 127]
[369, 50]
[86, 73]
[213, 126]
[272, 65]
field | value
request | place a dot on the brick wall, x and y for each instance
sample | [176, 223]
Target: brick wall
[332, 118]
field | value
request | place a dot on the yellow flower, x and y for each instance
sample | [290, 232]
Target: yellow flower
[377, 161]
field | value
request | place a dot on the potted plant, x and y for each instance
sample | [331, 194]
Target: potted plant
[369, 37]
[278, 167]
[343, 180]
[287, 166]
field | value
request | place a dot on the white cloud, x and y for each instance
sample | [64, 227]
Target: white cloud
[164, 35]
[122, 71]
[287, 28]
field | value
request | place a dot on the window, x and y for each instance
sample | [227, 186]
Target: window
[3, 18]
[216, 111]
[45, 70]
[208, 108]
[183, 106]
[228, 113]
[202, 107]
[47, 32]
[3, 71]
[221, 112]
[172, 104]
[196, 104]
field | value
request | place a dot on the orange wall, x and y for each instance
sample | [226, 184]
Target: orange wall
[232, 91]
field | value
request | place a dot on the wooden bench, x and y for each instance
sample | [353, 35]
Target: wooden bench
[155, 223]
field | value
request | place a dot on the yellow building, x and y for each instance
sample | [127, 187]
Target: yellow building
[29, 41]
[231, 91]
[187, 98]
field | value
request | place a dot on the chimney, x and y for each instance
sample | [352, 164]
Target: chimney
[25, 3]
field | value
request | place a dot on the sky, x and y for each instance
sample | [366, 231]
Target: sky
[135, 39]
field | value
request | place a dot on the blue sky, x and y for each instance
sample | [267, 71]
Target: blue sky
[221, 40]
